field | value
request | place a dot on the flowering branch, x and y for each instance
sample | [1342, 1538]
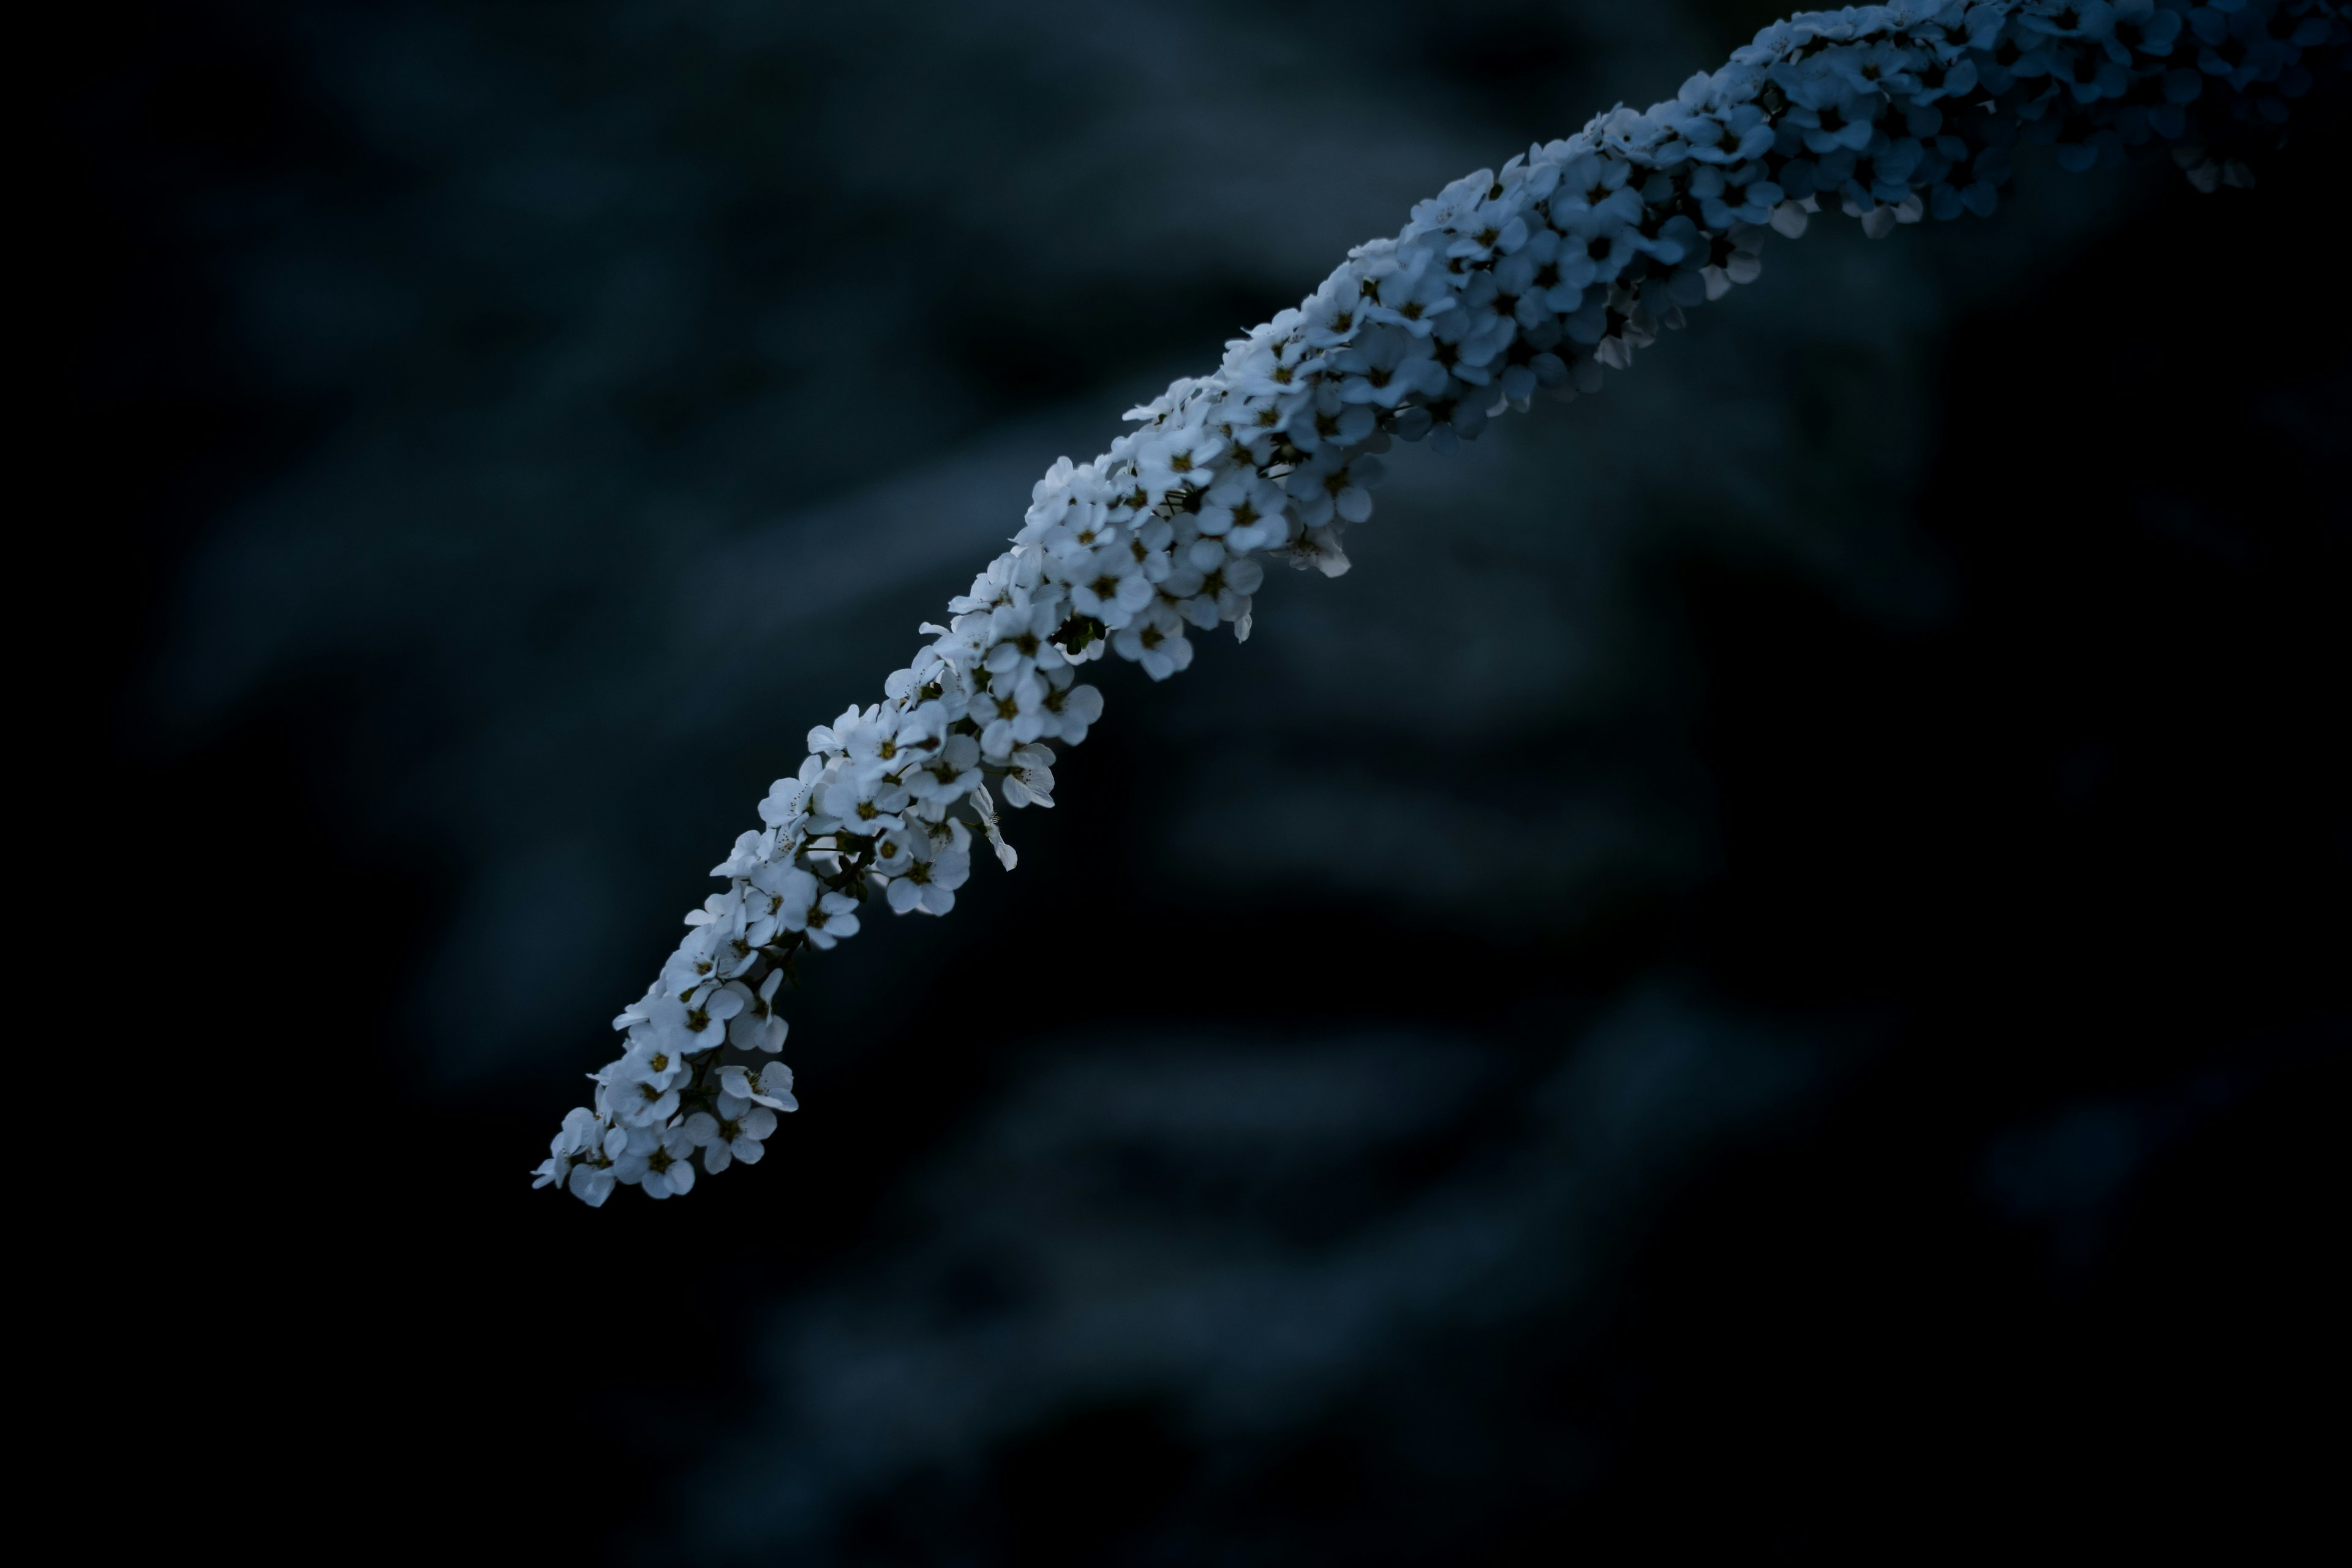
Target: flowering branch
[1506, 284]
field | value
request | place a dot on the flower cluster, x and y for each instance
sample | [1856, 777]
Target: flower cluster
[1536, 278]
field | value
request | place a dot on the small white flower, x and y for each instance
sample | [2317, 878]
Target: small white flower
[866, 806]
[795, 890]
[930, 885]
[771, 1086]
[580, 1133]
[678, 1026]
[834, 919]
[590, 1183]
[1334, 313]
[736, 1134]
[1171, 460]
[1386, 367]
[1270, 367]
[1031, 781]
[649, 1062]
[713, 949]
[708, 1022]
[892, 743]
[1450, 209]
[1110, 587]
[1409, 290]
[1022, 634]
[639, 1098]
[1156, 641]
[1334, 482]
[1319, 549]
[757, 1028]
[660, 1162]
[896, 850]
[1223, 592]
[752, 851]
[1073, 711]
[825, 739]
[951, 772]
[1015, 712]
[1245, 509]
[985, 806]
[1005, 576]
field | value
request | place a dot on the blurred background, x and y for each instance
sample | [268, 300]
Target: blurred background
[1768, 971]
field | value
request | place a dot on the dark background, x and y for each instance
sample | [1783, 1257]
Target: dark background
[1766, 971]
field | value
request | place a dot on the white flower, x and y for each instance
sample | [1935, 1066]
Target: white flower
[795, 890]
[1005, 576]
[1472, 338]
[578, 1159]
[1272, 363]
[640, 1102]
[752, 851]
[711, 950]
[1320, 417]
[930, 885]
[1168, 461]
[896, 850]
[787, 799]
[708, 1022]
[1319, 549]
[580, 1133]
[759, 923]
[1410, 289]
[650, 1062]
[1385, 367]
[735, 1133]
[825, 739]
[1214, 586]
[1081, 532]
[771, 1086]
[864, 805]
[1334, 313]
[833, 918]
[638, 1105]
[1021, 635]
[1539, 290]
[982, 802]
[1588, 181]
[1335, 481]
[1073, 711]
[1109, 586]
[1067, 508]
[1014, 711]
[590, 1183]
[660, 1162]
[675, 1026]
[1156, 641]
[1149, 543]
[1031, 780]
[950, 775]
[891, 742]
[757, 1028]
[1450, 210]
[1245, 509]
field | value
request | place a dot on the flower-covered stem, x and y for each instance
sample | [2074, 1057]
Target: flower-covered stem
[1539, 277]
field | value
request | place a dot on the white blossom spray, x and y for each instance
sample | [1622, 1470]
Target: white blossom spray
[1539, 277]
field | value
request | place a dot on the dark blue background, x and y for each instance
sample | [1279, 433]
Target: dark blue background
[1766, 973]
